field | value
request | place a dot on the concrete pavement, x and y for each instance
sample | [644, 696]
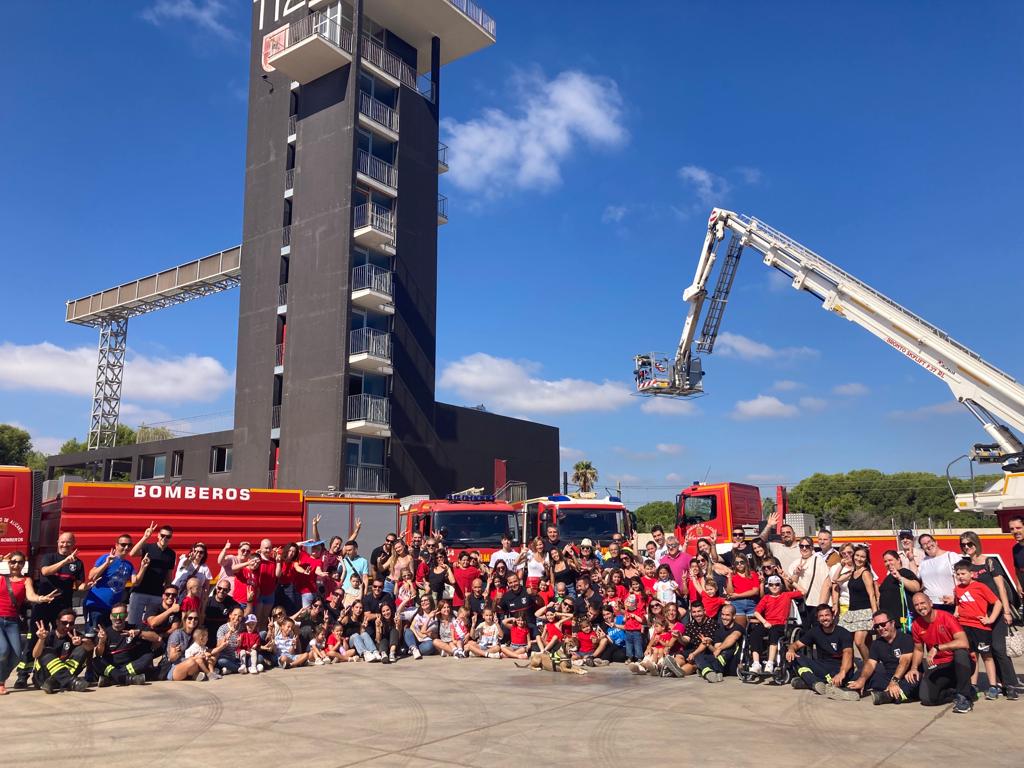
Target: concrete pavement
[480, 712]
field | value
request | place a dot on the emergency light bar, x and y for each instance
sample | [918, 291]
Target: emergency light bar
[468, 497]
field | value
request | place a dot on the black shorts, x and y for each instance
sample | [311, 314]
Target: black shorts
[980, 639]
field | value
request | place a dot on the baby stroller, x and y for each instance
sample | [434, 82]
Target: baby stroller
[781, 674]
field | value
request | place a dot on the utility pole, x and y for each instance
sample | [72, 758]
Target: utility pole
[565, 483]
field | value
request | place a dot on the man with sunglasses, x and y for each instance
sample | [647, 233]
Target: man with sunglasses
[372, 601]
[740, 547]
[380, 555]
[123, 654]
[158, 564]
[110, 575]
[785, 551]
[884, 675]
[168, 619]
[60, 655]
[219, 606]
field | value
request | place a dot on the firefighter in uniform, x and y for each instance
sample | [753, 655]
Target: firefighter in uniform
[60, 655]
[123, 653]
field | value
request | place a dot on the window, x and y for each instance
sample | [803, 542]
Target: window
[177, 463]
[220, 459]
[152, 467]
[700, 509]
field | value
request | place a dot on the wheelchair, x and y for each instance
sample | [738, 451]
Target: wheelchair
[782, 674]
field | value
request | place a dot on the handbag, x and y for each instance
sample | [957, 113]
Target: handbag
[1015, 642]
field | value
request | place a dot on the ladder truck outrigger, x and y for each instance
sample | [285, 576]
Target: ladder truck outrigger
[992, 396]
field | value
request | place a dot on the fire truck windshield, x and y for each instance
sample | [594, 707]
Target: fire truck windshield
[479, 528]
[596, 524]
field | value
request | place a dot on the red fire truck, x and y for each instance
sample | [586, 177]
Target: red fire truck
[98, 512]
[466, 521]
[578, 516]
[711, 511]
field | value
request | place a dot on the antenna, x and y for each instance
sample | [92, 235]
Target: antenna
[706, 475]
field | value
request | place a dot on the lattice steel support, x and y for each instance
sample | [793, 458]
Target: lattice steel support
[106, 398]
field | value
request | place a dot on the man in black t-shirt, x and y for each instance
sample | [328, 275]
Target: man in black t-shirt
[476, 601]
[517, 602]
[713, 662]
[59, 571]
[158, 564]
[380, 555]
[123, 653]
[696, 637]
[889, 660]
[552, 540]
[826, 674]
[60, 655]
[219, 606]
[373, 600]
[585, 595]
[1016, 525]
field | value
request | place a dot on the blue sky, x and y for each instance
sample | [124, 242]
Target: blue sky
[587, 149]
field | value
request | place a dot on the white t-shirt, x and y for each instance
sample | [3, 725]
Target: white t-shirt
[665, 591]
[785, 555]
[194, 650]
[811, 580]
[936, 574]
[509, 558]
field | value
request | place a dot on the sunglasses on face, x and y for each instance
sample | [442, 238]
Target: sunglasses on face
[16, 562]
[124, 543]
[737, 533]
[277, 615]
[67, 623]
[965, 544]
[191, 618]
[220, 589]
[118, 615]
[170, 594]
[804, 546]
[164, 535]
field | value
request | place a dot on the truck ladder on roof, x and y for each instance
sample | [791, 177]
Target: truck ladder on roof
[713, 321]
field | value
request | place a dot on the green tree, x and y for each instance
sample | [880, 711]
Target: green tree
[71, 445]
[15, 445]
[653, 513]
[767, 507]
[584, 475]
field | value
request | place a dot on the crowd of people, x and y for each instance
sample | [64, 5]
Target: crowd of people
[923, 630]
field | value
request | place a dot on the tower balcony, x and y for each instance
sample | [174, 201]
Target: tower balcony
[378, 117]
[369, 350]
[310, 48]
[463, 26]
[372, 289]
[374, 227]
[366, 479]
[442, 157]
[368, 415]
[375, 173]
[442, 209]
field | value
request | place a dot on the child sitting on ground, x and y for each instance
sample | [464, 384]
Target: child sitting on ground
[486, 637]
[247, 651]
[519, 638]
[336, 650]
[204, 658]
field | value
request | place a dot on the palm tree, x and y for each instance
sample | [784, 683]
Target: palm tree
[584, 475]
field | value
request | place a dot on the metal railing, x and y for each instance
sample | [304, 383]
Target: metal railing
[292, 125]
[272, 479]
[370, 341]
[373, 277]
[477, 15]
[374, 215]
[512, 491]
[279, 354]
[442, 207]
[315, 24]
[282, 294]
[385, 60]
[377, 169]
[289, 178]
[372, 408]
[286, 235]
[275, 417]
[378, 111]
[442, 154]
[366, 479]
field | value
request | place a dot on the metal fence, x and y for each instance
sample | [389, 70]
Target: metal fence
[372, 408]
[442, 207]
[370, 341]
[366, 479]
[319, 24]
[373, 277]
[385, 60]
[442, 154]
[286, 236]
[289, 178]
[376, 216]
[478, 15]
[275, 417]
[377, 169]
[292, 125]
[378, 111]
[279, 354]
[282, 294]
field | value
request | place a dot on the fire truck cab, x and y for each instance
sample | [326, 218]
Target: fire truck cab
[465, 521]
[711, 511]
[578, 516]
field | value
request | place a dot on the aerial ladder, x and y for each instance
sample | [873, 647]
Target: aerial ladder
[991, 395]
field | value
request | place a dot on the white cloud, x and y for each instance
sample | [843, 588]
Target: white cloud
[665, 407]
[778, 281]
[786, 385]
[205, 14]
[928, 411]
[133, 415]
[812, 403]
[670, 449]
[749, 174]
[709, 188]
[735, 345]
[498, 151]
[853, 389]
[47, 445]
[764, 407]
[508, 385]
[613, 214]
[626, 479]
[565, 453]
[49, 368]
[674, 477]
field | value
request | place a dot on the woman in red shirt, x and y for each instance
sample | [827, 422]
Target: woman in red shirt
[743, 589]
[15, 590]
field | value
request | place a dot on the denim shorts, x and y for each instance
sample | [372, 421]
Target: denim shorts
[744, 606]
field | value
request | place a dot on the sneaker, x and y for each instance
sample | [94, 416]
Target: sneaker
[21, 684]
[243, 670]
[78, 684]
[577, 662]
[636, 669]
[673, 667]
[798, 683]
[841, 694]
[259, 668]
[769, 668]
[713, 677]
[650, 666]
[755, 668]
[494, 655]
[200, 677]
[137, 680]
[459, 653]
[1011, 694]
[216, 676]
[391, 657]
[589, 662]
[50, 685]
[962, 705]
[318, 663]
[974, 693]
[605, 663]
[224, 670]
[881, 697]
[416, 653]
[820, 688]
[104, 682]
[385, 659]
[992, 693]
[368, 657]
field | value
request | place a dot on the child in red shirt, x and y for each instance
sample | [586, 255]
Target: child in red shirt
[519, 638]
[977, 609]
[586, 640]
[712, 602]
[771, 614]
[247, 651]
[193, 601]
